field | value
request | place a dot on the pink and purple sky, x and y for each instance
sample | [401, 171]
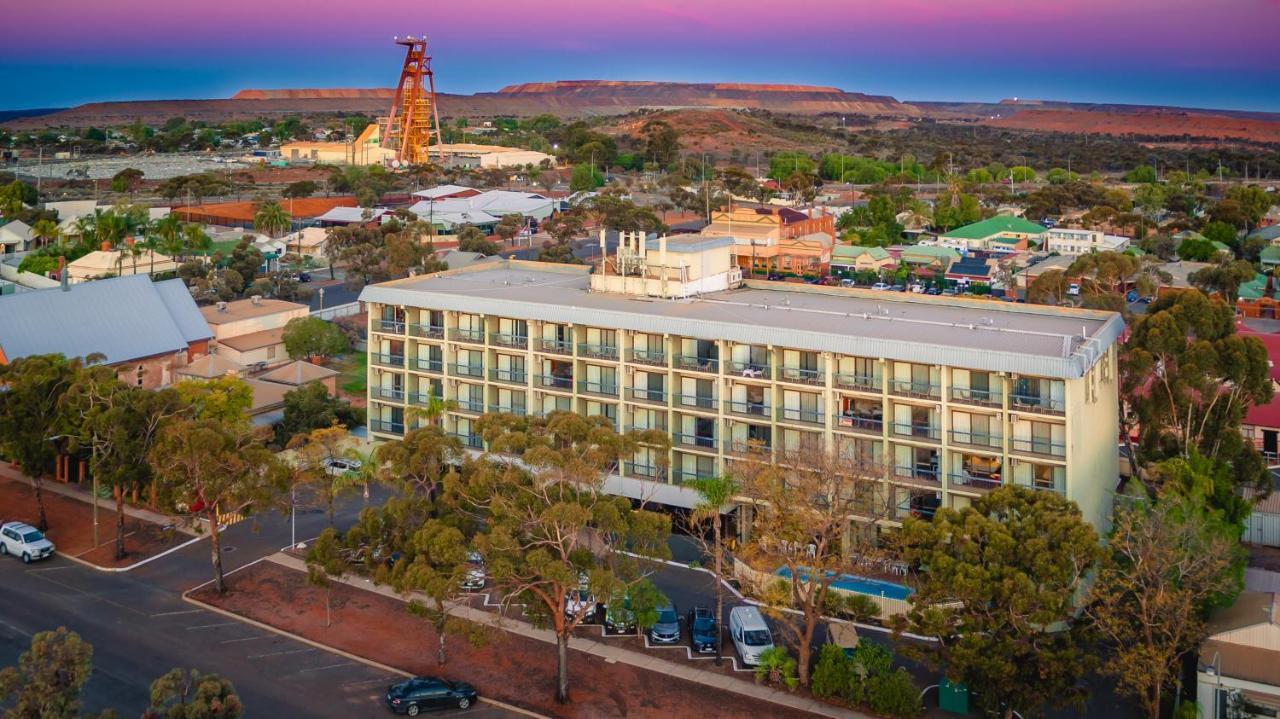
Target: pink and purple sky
[1198, 53]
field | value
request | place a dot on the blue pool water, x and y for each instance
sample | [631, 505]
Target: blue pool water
[862, 585]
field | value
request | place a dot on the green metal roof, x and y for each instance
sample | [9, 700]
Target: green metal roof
[994, 226]
[1221, 246]
[1270, 255]
[928, 253]
[1255, 288]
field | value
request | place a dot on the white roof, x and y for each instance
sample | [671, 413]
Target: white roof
[432, 193]
[352, 214]
[438, 214]
[15, 232]
[495, 203]
[308, 237]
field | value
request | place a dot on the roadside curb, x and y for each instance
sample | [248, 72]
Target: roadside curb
[334, 650]
[135, 565]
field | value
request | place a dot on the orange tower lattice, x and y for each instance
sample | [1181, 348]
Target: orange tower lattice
[414, 118]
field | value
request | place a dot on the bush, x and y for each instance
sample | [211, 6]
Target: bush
[776, 667]
[895, 694]
[871, 660]
[834, 676]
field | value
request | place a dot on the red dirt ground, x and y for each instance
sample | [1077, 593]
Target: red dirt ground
[511, 668]
[232, 212]
[1168, 123]
[71, 526]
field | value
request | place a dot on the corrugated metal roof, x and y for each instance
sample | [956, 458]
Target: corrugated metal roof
[186, 315]
[352, 214]
[687, 243]
[123, 318]
[980, 334]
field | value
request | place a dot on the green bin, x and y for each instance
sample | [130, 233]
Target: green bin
[953, 698]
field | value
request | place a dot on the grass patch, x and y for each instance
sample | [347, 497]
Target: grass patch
[355, 373]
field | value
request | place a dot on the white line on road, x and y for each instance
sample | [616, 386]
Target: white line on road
[330, 666]
[174, 614]
[277, 654]
[367, 682]
[245, 639]
[51, 569]
[211, 626]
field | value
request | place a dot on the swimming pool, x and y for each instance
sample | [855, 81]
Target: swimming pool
[862, 585]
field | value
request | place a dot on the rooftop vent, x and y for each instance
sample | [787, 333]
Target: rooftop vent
[222, 306]
[256, 299]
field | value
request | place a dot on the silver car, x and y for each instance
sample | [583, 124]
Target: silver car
[667, 629]
[23, 540]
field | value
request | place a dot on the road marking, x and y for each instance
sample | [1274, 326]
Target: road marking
[244, 639]
[51, 569]
[16, 629]
[330, 666]
[174, 614]
[379, 680]
[86, 593]
[211, 626]
[277, 654]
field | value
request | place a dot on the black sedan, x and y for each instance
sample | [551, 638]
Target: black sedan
[414, 696]
[702, 630]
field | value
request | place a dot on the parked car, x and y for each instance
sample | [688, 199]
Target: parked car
[898, 288]
[703, 630]
[476, 575]
[667, 629]
[1073, 289]
[774, 276]
[580, 601]
[419, 694]
[304, 276]
[24, 540]
[847, 282]
[880, 286]
[338, 466]
[933, 291]
[619, 618]
[750, 634]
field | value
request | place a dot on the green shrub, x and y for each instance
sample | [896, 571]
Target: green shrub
[833, 676]
[861, 608]
[894, 694]
[776, 667]
[871, 660]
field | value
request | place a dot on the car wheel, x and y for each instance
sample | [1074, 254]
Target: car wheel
[463, 703]
[413, 710]
[4, 549]
[26, 558]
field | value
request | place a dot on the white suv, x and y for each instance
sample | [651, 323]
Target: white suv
[24, 540]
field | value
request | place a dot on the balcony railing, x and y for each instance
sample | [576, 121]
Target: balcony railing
[423, 399]
[470, 405]
[655, 396]
[859, 382]
[868, 425]
[1037, 403]
[389, 326]
[659, 426]
[972, 481]
[697, 441]
[387, 393]
[608, 389]
[751, 409]
[516, 410]
[507, 340]
[558, 347]
[698, 401]
[918, 474]
[976, 439]
[428, 365]
[802, 376]
[459, 334]
[917, 431]
[916, 388]
[685, 476]
[514, 376]
[754, 370]
[548, 381]
[466, 370]
[648, 471]
[697, 364]
[386, 360]
[469, 440]
[804, 416]
[1045, 447]
[1041, 485]
[656, 359]
[386, 426]
[981, 397]
[431, 332]
[743, 447]
[606, 352]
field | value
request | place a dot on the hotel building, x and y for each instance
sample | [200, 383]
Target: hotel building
[952, 397]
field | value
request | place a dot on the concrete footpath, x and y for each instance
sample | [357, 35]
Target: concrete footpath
[609, 652]
[76, 492]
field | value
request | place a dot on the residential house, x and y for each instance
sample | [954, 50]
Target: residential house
[976, 270]
[309, 242]
[251, 332]
[456, 258]
[147, 330]
[1270, 257]
[1270, 233]
[926, 258]
[339, 216]
[297, 373]
[772, 239]
[854, 258]
[212, 366]
[1238, 672]
[107, 262]
[1002, 233]
[15, 237]
[1075, 242]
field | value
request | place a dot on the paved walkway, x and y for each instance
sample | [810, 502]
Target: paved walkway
[609, 652]
[75, 491]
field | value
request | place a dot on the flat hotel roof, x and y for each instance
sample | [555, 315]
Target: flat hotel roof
[979, 334]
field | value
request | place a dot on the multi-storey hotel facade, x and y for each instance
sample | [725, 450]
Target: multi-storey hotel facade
[951, 397]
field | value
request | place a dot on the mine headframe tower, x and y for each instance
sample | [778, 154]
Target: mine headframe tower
[414, 117]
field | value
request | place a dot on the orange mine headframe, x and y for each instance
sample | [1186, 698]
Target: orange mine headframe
[414, 116]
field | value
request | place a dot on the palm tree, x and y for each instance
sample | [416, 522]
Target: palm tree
[271, 219]
[369, 468]
[46, 230]
[714, 494]
[433, 410]
[168, 233]
[196, 239]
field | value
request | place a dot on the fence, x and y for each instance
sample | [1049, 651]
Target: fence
[343, 310]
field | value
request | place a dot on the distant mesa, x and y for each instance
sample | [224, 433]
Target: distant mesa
[380, 93]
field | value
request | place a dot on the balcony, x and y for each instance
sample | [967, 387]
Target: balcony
[387, 360]
[705, 403]
[749, 409]
[387, 394]
[548, 381]
[395, 327]
[750, 370]
[423, 399]
[510, 376]
[801, 376]
[691, 363]
[604, 352]
[973, 481]
[472, 441]
[1041, 447]
[513, 341]
[917, 475]
[685, 476]
[916, 388]
[500, 409]
[427, 365]
[659, 426]
[1037, 403]
[985, 440]
[386, 427]
[979, 397]
[917, 431]
[654, 359]
[1041, 485]
[466, 370]
[603, 389]
[429, 332]
[647, 471]
[652, 396]
[555, 347]
[704, 443]
[801, 416]
[862, 425]
[462, 335]
[469, 405]
[858, 382]
[747, 447]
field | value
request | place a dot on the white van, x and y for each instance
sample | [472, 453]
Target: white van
[749, 633]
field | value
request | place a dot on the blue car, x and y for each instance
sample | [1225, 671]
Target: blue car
[703, 631]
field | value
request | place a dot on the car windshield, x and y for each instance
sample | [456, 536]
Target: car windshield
[704, 624]
[756, 638]
[32, 536]
[667, 616]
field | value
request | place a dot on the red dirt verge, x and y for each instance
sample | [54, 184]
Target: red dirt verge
[510, 668]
